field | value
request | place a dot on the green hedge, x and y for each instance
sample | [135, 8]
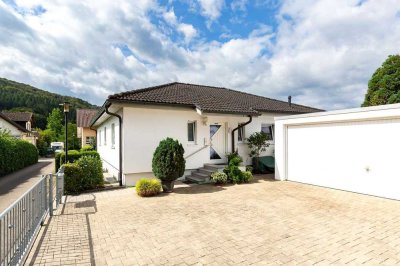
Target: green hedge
[73, 175]
[85, 174]
[16, 154]
[73, 155]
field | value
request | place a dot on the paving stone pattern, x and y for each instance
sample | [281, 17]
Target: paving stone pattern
[262, 223]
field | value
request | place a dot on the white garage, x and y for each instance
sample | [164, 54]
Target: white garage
[356, 150]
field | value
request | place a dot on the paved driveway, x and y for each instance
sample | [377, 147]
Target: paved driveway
[265, 222]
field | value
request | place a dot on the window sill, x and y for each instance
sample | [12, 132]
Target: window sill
[190, 144]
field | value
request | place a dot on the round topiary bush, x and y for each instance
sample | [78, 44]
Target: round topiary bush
[148, 187]
[168, 162]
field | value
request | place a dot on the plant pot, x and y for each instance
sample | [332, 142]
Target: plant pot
[167, 186]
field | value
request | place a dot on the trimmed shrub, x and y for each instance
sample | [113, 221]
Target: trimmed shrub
[148, 187]
[92, 172]
[73, 155]
[219, 177]
[85, 174]
[16, 154]
[168, 162]
[73, 176]
[247, 176]
[235, 175]
[87, 148]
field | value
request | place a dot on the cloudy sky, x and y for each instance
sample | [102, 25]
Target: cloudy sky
[320, 52]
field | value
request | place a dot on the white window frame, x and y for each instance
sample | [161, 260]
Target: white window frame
[105, 136]
[241, 133]
[194, 141]
[272, 126]
[112, 136]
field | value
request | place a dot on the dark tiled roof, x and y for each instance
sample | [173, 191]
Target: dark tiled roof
[84, 116]
[21, 128]
[19, 116]
[210, 99]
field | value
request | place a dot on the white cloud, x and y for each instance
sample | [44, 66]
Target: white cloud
[323, 52]
[211, 8]
[188, 31]
[239, 5]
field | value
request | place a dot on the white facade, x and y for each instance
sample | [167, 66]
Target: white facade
[354, 150]
[14, 131]
[145, 126]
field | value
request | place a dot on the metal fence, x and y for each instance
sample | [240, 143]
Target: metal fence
[20, 222]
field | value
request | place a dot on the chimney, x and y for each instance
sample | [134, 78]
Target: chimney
[289, 98]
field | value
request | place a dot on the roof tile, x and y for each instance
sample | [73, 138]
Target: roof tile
[210, 99]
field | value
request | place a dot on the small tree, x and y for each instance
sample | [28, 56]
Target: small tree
[257, 143]
[384, 85]
[55, 121]
[168, 162]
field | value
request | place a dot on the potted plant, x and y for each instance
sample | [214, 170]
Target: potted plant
[257, 142]
[168, 162]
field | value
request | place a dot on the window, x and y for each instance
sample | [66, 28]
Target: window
[99, 137]
[191, 126]
[105, 136]
[112, 136]
[241, 135]
[268, 129]
[89, 140]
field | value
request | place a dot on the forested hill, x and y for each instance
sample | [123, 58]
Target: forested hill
[16, 96]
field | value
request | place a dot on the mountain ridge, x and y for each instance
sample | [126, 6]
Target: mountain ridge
[17, 96]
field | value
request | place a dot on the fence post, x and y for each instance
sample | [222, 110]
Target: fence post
[60, 177]
[51, 194]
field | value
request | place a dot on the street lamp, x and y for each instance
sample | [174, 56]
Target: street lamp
[66, 111]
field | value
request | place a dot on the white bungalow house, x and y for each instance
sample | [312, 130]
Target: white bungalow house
[15, 129]
[209, 122]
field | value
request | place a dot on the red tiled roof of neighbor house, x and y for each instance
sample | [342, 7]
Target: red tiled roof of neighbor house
[19, 116]
[209, 99]
[84, 116]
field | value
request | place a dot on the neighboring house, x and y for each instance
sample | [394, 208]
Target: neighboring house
[24, 119]
[206, 120]
[85, 133]
[14, 129]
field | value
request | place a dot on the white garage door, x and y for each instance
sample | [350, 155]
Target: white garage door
[361, 157]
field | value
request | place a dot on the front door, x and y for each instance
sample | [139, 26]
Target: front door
[217, 143]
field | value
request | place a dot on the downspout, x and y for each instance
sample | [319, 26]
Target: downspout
[233, 132]
[120, 140]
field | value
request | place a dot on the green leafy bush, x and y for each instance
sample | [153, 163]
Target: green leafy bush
[73, 176]
[85, 174]
[247, 176]
[73, 155]
[92, 171]
[16, 154]
[219, 177]
[168, 162]
[148, 187]
[234, 174]
[233, 171]
[87, 148]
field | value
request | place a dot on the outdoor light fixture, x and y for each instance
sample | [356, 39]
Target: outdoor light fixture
[66, 111]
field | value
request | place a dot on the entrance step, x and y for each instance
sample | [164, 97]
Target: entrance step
[203, 175]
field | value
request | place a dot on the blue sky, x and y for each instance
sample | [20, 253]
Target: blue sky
[322, 52]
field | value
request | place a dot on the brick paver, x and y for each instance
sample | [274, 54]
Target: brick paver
[261, 223]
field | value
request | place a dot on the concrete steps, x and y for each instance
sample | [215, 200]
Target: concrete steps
[203, 175]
